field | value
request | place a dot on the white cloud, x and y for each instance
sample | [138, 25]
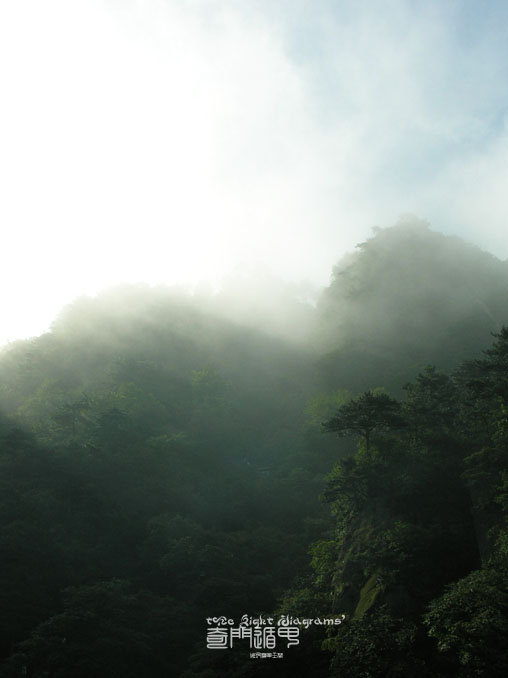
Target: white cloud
[169, 141]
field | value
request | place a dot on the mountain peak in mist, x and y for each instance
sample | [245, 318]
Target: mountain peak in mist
[410, 295]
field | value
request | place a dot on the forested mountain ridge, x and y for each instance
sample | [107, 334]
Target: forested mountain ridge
[161, 463]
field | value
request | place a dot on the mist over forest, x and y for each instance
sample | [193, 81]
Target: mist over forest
[265, 449]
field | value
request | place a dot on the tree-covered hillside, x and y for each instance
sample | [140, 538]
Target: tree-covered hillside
[150, 450]
[162, 462]
[418, 557]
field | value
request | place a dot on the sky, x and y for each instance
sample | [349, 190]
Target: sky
[184, 141]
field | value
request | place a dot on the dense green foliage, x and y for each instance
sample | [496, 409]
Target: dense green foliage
[161, 464]
[419, 549]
